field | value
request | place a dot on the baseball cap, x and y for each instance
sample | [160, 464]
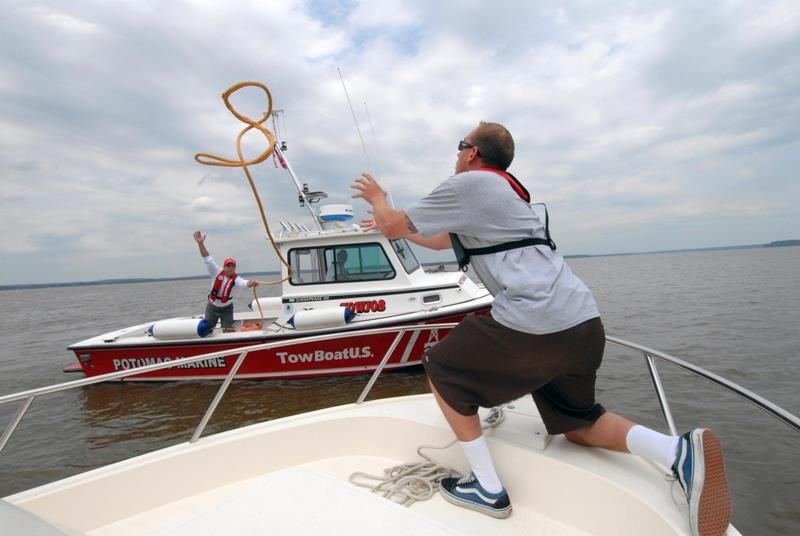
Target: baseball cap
[229, 260]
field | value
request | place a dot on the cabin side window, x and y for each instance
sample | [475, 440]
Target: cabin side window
[404, 253]
[340, 264]
[306, 266]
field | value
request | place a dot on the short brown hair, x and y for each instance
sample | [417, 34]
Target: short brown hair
[495, 144]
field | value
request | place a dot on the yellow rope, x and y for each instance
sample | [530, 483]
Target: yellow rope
[255, 299]
[214, 160]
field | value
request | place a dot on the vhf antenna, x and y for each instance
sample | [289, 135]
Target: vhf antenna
[374, 141]
[363, 145]
[380, 159]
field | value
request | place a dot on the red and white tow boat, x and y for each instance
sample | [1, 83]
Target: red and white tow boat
[381, 284]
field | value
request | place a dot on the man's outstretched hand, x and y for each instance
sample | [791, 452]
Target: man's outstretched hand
[368, 224]
[368, 189]
[199, 237]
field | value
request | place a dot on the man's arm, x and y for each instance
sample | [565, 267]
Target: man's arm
[200, 239]
[437, 241]
[211, 266]
[243, 284]
[392, 223]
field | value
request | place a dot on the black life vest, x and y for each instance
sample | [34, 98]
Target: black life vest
[463, 254]
[220, 293]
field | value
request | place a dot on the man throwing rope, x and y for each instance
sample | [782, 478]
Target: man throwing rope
[220, 302]
[543, 336]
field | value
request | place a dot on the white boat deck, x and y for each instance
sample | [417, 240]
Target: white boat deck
[289, 476]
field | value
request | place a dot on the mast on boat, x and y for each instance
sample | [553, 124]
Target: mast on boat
[305, 197]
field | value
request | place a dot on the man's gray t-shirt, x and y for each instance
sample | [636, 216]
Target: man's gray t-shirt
[534, 290]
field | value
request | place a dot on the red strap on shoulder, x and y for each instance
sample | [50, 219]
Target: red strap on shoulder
[512, 180]
[220, 293]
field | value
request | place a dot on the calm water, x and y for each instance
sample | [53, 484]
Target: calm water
[736, 313]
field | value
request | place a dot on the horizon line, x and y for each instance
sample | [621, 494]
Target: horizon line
[127, 280]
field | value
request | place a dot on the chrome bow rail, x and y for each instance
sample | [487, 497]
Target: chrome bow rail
[27, 397]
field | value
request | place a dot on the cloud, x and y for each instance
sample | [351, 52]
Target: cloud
[644, 126]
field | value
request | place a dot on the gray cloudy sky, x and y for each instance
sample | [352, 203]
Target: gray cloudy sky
[643, 125]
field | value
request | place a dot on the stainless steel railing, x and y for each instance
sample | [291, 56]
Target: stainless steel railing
[648, 353]
[27, 397]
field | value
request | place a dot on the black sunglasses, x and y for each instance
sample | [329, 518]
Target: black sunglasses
[464, 145]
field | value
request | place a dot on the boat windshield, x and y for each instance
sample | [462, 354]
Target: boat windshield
[407, 258]
[340, 264]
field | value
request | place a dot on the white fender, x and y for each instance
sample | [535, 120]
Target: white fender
[321, 318]
[179, 328]
[271, 307]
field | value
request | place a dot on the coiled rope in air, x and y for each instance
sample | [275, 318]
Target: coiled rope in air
[408, 483]
[209, 159]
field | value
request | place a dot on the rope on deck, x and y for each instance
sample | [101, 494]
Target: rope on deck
[408, 483]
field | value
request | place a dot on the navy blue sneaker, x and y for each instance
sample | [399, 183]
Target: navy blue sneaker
[700, 470]
[467, 492]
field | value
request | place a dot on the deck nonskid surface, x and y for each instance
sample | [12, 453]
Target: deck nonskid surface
[316, 498]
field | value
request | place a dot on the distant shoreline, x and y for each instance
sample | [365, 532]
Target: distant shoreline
[125, 281]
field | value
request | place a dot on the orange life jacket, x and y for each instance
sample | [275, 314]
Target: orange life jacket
[218, 292]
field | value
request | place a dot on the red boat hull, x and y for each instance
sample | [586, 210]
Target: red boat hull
[355, 354]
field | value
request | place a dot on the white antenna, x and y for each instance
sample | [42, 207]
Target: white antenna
[363, 145]
[375, 141]
[378, 151]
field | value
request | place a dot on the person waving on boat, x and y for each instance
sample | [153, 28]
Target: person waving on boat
[543, 335]
[226, 280]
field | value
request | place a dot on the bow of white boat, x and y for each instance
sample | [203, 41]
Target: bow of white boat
[290, 476]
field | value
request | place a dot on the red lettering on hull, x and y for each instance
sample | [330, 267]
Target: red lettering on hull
[367, 306]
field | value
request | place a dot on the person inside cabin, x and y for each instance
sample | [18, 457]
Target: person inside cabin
[337, 270]
[543, 335]
[220, 299]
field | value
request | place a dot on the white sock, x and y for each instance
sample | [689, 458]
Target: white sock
[480, 459]
[652, 445]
